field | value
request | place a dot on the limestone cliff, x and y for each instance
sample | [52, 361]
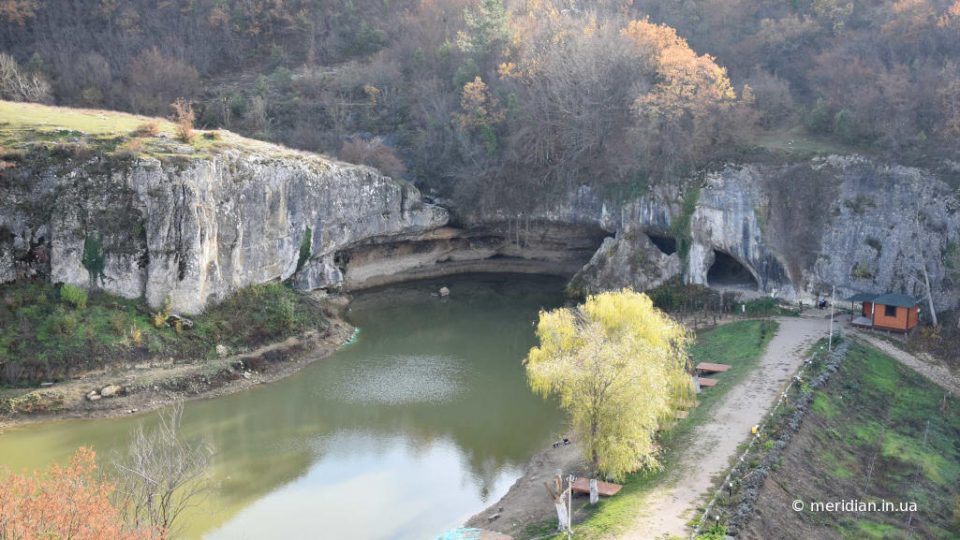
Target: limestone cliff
[194, 229]
[792, 230]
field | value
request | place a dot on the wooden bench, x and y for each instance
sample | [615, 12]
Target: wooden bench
[605, 489]
[706, 382]
[708, 367]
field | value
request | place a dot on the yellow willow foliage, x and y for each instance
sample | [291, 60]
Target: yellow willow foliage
[618, 367]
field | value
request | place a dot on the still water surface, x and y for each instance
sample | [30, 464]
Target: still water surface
[422, 422]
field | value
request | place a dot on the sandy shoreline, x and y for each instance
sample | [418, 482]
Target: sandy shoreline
[152, 385]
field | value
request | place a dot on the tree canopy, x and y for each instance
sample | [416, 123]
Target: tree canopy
[502, 103]
[64, 502]
[618, 367]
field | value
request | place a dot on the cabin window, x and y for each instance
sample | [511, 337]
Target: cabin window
[890, 311]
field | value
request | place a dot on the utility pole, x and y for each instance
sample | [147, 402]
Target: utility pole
[832, 302]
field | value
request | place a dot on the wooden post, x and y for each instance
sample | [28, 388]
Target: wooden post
[832, 298]
[594, 492]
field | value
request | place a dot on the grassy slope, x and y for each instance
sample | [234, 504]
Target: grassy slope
[867, 438]
[739, 344]
[25, 126]
[45, 338]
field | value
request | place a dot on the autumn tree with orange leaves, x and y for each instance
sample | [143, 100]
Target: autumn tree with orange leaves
[64, 502]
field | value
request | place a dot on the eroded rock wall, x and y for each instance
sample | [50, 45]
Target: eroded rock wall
[798, 229]
[195, 230]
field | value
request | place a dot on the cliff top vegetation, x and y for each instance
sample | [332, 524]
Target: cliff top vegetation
[491, 101]
[82, 132]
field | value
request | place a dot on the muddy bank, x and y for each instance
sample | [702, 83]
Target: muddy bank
[135, 388]
[527, 504]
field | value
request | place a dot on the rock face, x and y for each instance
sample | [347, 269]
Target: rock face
[195, 230]
[792, 231]
[630, 260]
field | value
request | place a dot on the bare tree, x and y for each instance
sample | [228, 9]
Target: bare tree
[161, 474]
[19, 85]
[921, 250]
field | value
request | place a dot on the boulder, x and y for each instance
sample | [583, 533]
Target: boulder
[111, 390]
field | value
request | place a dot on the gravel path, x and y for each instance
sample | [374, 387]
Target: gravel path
[668, 509]
[938, 374]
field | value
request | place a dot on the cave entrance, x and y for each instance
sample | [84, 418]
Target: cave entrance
[729, 272]
[666, 244]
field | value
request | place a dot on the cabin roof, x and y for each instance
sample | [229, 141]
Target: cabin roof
[895, 299]
[888, 299]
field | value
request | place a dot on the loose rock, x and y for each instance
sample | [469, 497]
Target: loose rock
[110, 391]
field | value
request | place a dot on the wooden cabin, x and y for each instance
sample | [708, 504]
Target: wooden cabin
[891, 311]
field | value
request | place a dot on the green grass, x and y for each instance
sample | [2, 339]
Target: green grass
[739, 344]
[824, 406]
[876, 411]
[795, 142]
[768, 307]
[866, 529]
[36, 120]
[46, 337]
[79, 132]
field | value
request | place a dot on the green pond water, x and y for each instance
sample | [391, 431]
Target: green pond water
[425, 420]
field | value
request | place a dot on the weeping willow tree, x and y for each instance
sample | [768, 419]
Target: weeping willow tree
[618, 367]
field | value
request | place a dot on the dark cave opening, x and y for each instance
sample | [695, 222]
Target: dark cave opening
[666, 244]
[729, 272]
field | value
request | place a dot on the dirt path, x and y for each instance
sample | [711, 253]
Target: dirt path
[668, 509]
[938, 374]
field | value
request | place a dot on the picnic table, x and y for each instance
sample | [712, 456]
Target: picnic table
[709, 367]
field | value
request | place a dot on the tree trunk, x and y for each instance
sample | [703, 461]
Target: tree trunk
[926, 283]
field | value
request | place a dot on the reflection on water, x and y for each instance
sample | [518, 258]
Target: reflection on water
[419, 424]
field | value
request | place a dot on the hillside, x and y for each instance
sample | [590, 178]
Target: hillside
[470, 95]
[28, 127]
[877, 432]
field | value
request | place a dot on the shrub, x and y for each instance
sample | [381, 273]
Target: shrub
[373, 153]
[73, 295]
[63, 502]
[184, 116]
[150, 128]
[131, 148]
[136, 336]
[159, 318]
[63, 323]
[118, 321]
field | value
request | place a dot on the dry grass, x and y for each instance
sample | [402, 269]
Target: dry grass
[150, 128]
